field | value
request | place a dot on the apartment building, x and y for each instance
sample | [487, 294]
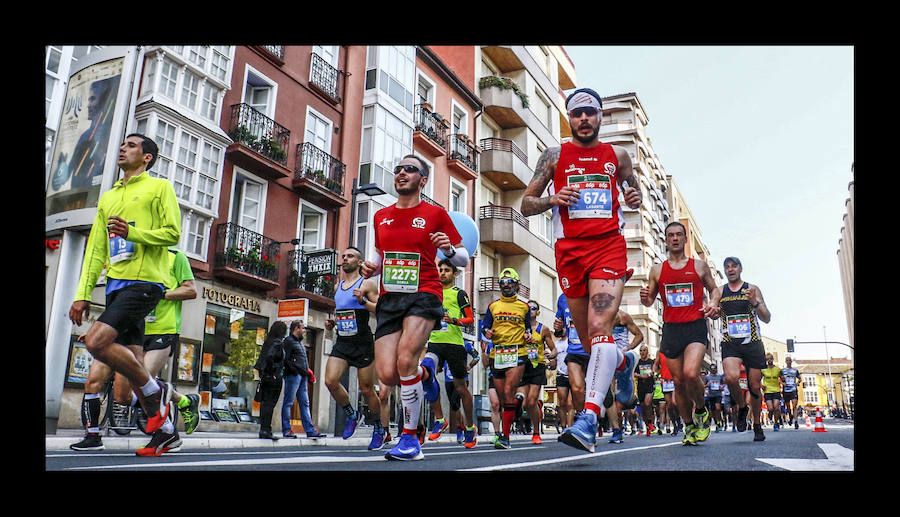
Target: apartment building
[845, 259]
[257, 142]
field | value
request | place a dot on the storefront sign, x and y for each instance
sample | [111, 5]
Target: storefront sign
[241, 302]
[297, 309]
[319, 262]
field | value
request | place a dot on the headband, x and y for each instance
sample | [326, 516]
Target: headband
[583, 100]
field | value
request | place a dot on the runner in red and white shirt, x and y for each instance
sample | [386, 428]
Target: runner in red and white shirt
[680, 281]
[586, 177]
[407, 237]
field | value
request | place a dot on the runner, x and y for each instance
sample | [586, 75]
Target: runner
[661, 366]
[535, 374]
[790, 377]
[354, 345]
[456, 415]
[496, 411]
[714, 384]
[407, 237]
[623, 387]
[771, 380]
[137, 219]
[684, 336]
[563, 394]
[587, 176]
[507, 324]
[643, 369]
[660, 405]
[447, 348]
[742, 307]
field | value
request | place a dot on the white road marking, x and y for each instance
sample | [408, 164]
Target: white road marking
[838, 458]
[567, 459]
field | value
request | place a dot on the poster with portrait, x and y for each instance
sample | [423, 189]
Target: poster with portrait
[82, 142]
[79, 364]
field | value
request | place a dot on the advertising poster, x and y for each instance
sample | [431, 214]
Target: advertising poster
[76, 167]
[187, 355]
[296, 309]
[79, 363]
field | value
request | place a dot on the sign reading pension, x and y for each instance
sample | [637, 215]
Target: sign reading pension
[319, 262]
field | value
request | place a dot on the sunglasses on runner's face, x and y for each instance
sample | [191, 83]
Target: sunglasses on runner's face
[533, 308]
[578, 112]
[507, 281]
[407, 168]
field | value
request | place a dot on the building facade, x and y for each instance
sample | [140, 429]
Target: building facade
[845, 259]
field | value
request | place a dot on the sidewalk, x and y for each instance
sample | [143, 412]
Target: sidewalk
[200, 440]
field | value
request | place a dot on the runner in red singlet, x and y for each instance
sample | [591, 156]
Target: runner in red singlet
[680, 281]
[410, 305]
[586, 177]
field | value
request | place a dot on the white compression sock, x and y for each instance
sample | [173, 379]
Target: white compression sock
[411, 394]
[605, 357]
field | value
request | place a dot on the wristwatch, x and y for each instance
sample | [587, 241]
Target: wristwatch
[451, 254]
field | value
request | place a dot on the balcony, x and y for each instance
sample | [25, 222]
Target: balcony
[505, 163]
[489, 291]
[260, 144]
[463, 157]
[319, 176]
[508, 232]
[505, 57]
[274, 53]
[504, 102]
[313, 275]
[324, 78]
[246, 258]
[430, 133]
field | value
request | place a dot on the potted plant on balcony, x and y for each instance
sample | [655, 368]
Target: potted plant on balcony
[243, 135]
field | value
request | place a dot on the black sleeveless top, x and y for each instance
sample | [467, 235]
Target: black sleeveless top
[739, 321]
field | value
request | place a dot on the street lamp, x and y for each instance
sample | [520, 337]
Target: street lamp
[369, 189]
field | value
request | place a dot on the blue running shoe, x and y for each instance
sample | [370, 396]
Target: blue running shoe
[407, 449]
[352, 423]
[470, 439]
[625, 379]
[583, 433]
[377, 440]
[438, 428]
[616, 436]
[431, 387]
[460, 435]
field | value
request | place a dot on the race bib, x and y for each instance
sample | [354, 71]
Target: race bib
[401, 272]
[345, 321]
[646, 369]
[790, 381]
[532, 353]
[668, 385]
[743, 383]
[506, 357]
[596, 196]
[120, 250]
[679, 295]
[715, 386]
[738, 325]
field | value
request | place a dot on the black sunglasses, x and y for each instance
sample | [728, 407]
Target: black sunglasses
[407, 168]
[578, 112]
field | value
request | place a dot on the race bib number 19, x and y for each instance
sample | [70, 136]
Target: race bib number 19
[596, 196]
[401, 272]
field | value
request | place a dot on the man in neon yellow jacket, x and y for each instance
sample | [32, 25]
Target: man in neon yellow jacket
[137, 219]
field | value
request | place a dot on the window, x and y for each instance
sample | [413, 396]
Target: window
[168, 78]
[197, 55]
[194, 239]
[458, 201]
[328, 53]
[386, 139]
[219, 62]
[545, 294]
[318, 130]
[542, 109]
[811, 395]
[209, 106]
[424, 90]
[186, 165]
[247, 201]
[260, 93]
[395, 74]
[312, 228]
[189, 90]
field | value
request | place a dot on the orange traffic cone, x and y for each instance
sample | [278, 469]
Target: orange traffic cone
[820, 425]
[807, 421]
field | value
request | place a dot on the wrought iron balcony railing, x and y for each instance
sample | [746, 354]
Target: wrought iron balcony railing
[313, 278]
[430, 124]
[502, 144]
[324, 76]
[259, 132]
[244, 250]
[275, 50]
[429, 200]
[503, 212]
[318, 166]
[463, 151]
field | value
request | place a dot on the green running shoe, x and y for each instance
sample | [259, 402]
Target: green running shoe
[690, 437]
[701, 422]
[191, 414]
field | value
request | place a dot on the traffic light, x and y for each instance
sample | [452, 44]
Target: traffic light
[790, 346]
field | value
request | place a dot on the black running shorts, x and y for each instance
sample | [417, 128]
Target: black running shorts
[126, 309]
[160, 342]
[393, 307]
[677, 336]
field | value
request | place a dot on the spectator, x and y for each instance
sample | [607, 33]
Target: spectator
[269, 366]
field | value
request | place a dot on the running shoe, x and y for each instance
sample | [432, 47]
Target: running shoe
[502, 442]
[161, 442]
[156, 407]
[315, 434]
[377, 439]
[536, 439]
[701, 425]
[583, 433]
[407, 449]
[758, 434]
[742, 419]
[460, 435]
[439, 427]
[352, 423]
[690, 437]
[387, 439]
[191, 414]
[796, 424]
[91, 442]
[431, 387]
[775, 427]
[617, 436]
[470, 439]
[496, 438]
[625, 379]
[649, 429]
[420, 433]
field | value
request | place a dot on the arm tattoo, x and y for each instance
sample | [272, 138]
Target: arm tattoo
[532, 202]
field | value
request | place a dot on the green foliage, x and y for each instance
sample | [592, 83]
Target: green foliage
[504, 83]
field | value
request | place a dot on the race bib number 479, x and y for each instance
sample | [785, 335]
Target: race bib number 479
[679, 295]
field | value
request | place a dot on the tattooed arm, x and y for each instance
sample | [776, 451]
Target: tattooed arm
[532, 202]
[626, 174]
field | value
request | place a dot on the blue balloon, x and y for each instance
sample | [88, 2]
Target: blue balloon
[467, 229]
